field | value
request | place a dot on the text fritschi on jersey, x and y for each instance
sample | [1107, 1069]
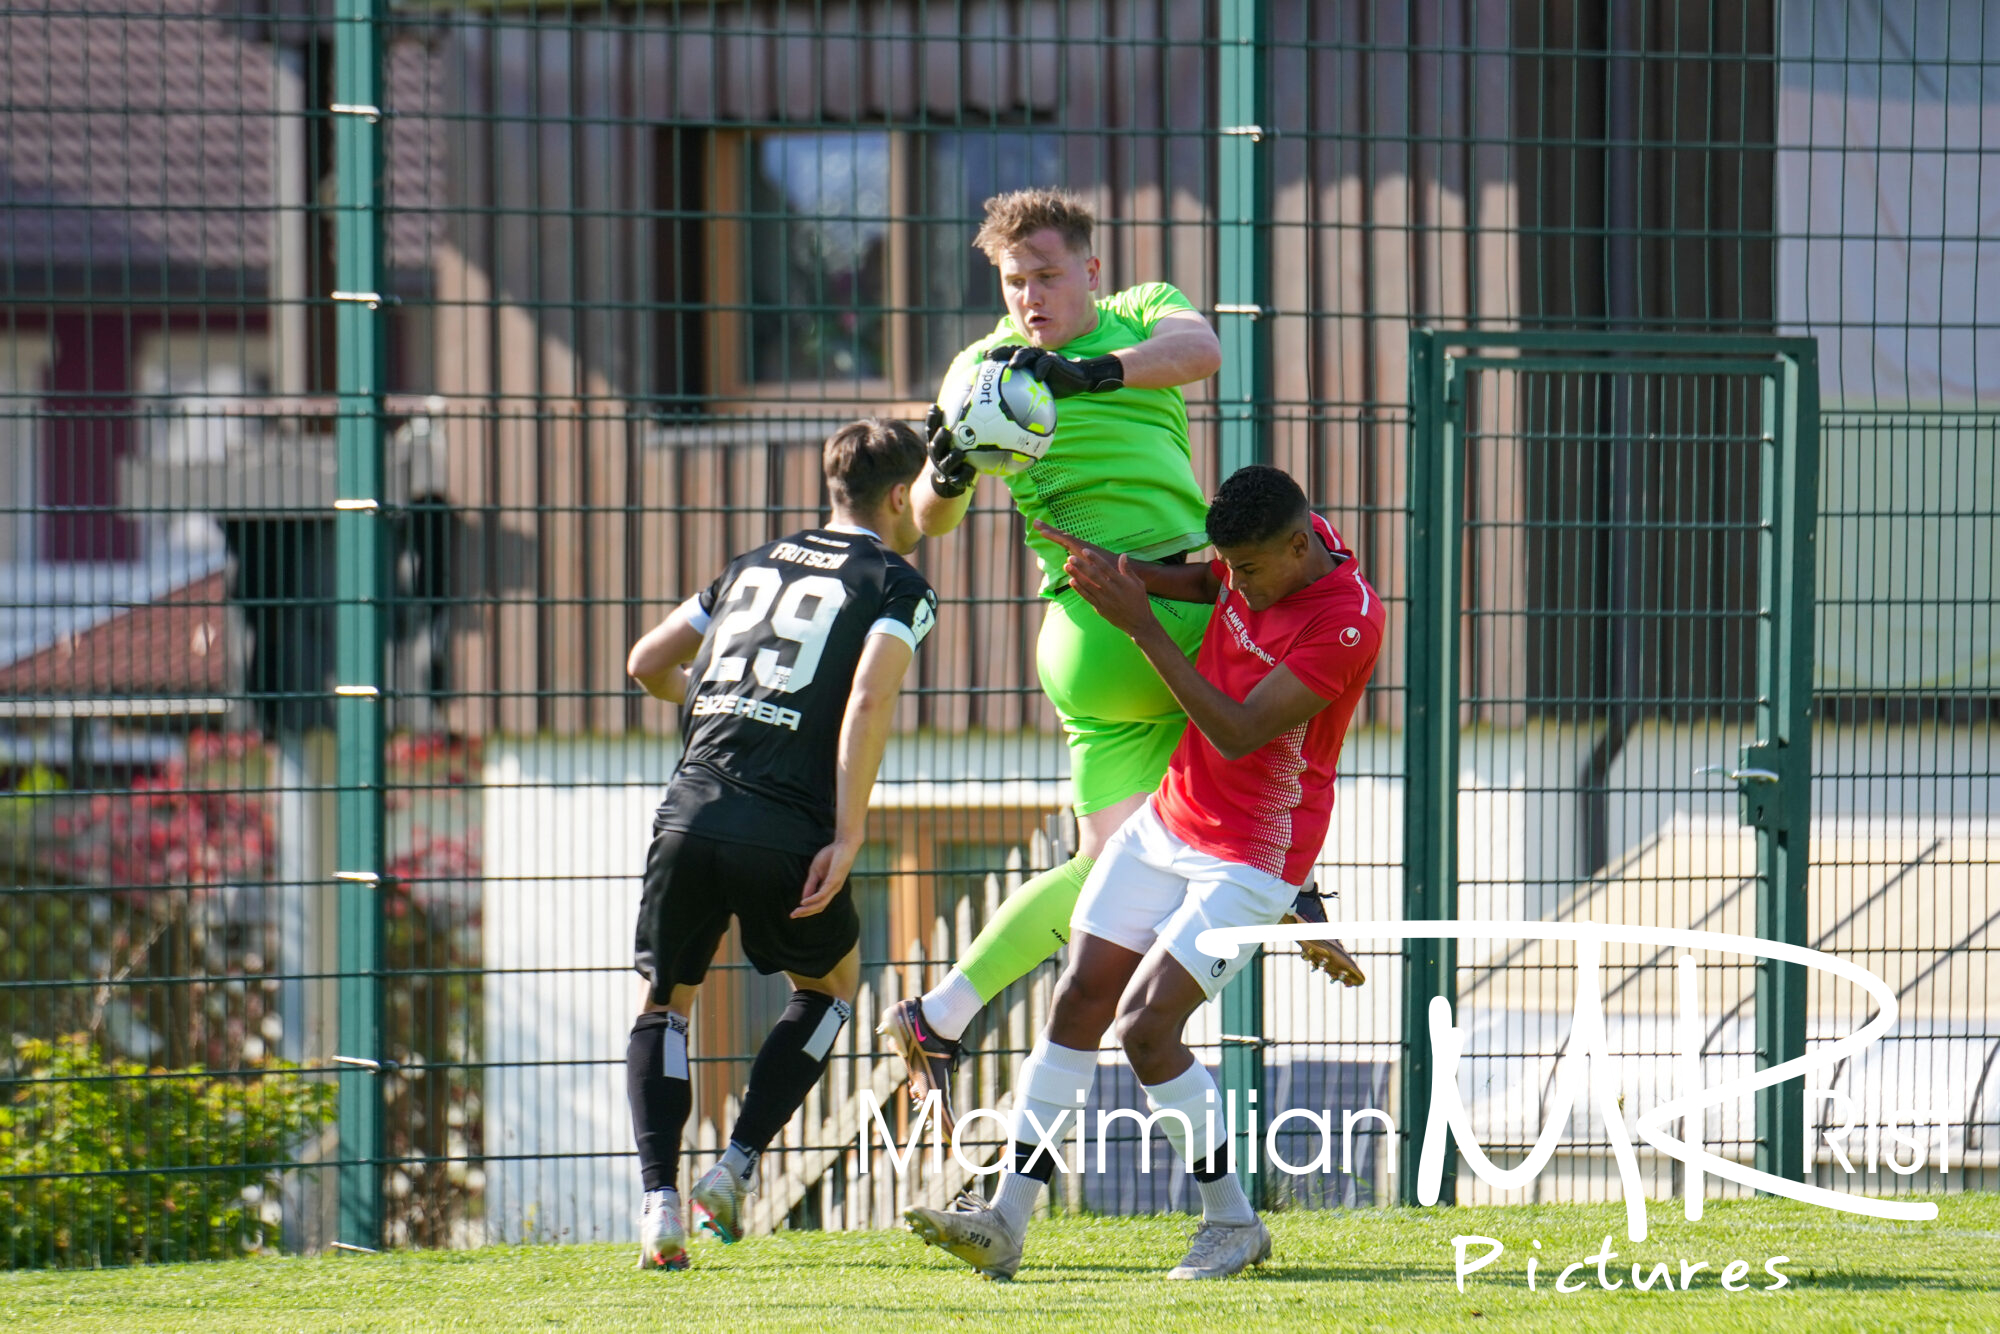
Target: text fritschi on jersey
[784, 629]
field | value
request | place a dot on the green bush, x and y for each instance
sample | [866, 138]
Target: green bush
[106, 1162]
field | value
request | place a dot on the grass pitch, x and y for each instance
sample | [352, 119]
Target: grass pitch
[1387, 1269]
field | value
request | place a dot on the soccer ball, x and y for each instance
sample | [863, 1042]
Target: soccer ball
[1004, 419]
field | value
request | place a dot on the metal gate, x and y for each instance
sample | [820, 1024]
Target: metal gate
[1612, 566]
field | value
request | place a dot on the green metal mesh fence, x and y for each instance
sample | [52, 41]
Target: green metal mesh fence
[371, 376]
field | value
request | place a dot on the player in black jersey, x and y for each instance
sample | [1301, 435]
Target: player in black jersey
[786, 669]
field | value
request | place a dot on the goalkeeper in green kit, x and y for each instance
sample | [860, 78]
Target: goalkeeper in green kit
[1119, 474]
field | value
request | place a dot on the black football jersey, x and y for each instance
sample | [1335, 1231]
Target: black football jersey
[784, 627]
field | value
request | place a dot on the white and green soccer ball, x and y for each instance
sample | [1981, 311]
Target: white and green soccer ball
[1003, 419]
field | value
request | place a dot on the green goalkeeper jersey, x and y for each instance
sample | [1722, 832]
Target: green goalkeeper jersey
[1120, 472]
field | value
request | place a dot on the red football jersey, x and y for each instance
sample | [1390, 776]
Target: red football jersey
[1271, 808]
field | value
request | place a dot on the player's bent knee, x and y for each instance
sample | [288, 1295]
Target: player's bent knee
[1080, 1014]
[841, 983]
[1082, 996]
[680, 997]
[1146, 1036]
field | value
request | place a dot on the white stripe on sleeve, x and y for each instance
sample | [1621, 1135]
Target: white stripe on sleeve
[889, 625]
[697, 618]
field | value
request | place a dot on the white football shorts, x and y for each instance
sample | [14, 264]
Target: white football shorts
[1149, 887]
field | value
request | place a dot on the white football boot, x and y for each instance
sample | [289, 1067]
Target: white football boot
[663, 1241]
[718, 1201]
[1222, 1249]
[973, 1232]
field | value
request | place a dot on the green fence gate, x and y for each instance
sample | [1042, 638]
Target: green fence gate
[1612, 572]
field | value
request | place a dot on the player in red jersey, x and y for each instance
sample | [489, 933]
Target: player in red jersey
[1227, 840]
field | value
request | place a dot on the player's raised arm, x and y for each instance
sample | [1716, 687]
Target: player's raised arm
[658, 662]
[1187, 582]
[864, 737]
[1181, 350]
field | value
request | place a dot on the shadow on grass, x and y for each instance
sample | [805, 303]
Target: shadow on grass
[1908, 1283]
[1278, 1271]
[1803, 1282]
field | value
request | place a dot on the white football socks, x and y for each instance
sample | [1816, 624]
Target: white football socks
[1054, 1083]
[1192, 1093]
[1015, 1200]
[950, 1006]
[1053, 1086]
[1223, 1201]
[739, 1160]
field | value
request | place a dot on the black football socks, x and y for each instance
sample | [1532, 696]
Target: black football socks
[787, 1066]
[656, 1085]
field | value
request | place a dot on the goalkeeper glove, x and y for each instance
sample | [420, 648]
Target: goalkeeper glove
[951, 473]
[1063, 376]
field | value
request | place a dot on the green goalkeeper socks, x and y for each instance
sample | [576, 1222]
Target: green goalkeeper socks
[1031, 925]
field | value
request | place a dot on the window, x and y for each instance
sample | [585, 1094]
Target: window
[840, 261]
[192, 388]
[680, 345]
[24, 366]
[817, 260]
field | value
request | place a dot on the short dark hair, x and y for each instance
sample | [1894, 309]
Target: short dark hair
[864, 459]
[1017, 215]
[1256, 504]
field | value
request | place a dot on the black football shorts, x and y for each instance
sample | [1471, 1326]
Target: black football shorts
[694, 885]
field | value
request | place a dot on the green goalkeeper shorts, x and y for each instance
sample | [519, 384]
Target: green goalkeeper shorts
[1121, 720]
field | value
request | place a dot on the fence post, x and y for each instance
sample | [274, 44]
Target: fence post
[1430, 741]
[1243, 400]
[1243, 249]
[1789, 568]
[360, 587]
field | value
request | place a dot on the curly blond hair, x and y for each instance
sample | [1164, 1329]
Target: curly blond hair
[1015, 216]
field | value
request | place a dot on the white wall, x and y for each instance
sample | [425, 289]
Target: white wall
[566, 828]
